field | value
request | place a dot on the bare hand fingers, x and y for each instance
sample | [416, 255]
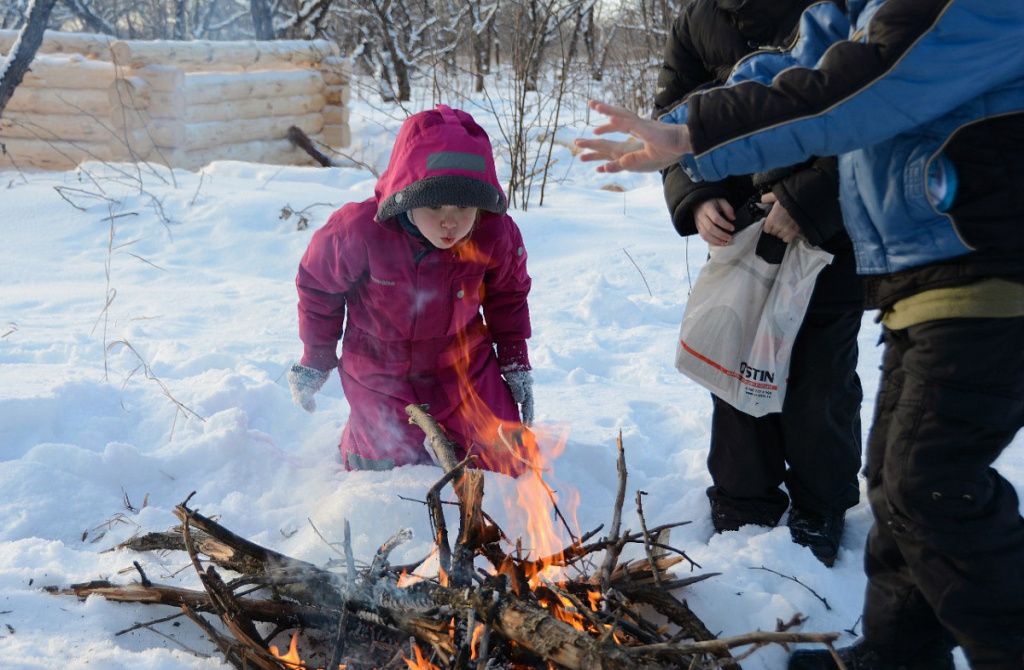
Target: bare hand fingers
[612, 111]
[598, 149]
[720, 221]
[711, 233]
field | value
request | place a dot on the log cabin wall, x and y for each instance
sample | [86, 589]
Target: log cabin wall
[182, 104]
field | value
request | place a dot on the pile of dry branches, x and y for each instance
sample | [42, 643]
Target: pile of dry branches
[519, 612]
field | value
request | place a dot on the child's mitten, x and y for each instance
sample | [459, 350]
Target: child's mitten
[520, 382]
[304, 383]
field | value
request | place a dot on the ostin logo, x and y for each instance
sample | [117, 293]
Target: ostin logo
[755, 374]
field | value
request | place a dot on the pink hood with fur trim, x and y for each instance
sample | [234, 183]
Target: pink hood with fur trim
[441, 157]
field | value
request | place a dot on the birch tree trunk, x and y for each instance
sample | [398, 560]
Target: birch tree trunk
[262, 25]
[13, 68]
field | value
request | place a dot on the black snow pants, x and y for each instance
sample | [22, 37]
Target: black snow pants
[945, 558]
[817, 434]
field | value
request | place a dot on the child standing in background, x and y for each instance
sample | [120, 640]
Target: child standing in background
[432, 273]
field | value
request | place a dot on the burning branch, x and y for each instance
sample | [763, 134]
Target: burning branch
[517, 612]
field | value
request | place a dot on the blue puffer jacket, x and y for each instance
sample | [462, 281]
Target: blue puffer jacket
[887, 85]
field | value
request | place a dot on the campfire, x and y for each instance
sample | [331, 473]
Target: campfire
[490, 601]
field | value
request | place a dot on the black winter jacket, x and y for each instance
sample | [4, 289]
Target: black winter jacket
[706, 41]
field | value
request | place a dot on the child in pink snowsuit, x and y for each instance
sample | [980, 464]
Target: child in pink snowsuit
[432, 273]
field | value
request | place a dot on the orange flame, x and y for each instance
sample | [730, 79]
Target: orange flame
[513, 449]
[420, 573]
[564, 610]
[291, 659]
[475, 640]
[594, 597]
[527, 455]
[420, 662]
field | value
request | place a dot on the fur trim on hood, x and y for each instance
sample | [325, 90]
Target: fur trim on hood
[441, 157]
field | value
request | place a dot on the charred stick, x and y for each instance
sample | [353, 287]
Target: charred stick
[224, 644]
[679, 613]
[584, 611]
[675, 584]
[259, 556]
[350, 560]
[444, 550]
[614, 544]
[193, 518]
[380, 559]
[227, 606]
[648, 547]
[219, 552]
[249, 650]
[312, 584]
[272, 611]
[339, 640]
[536, 630]
[675, 610]
[443, 448]
[469, 489]
[624, 612]
[471, 526]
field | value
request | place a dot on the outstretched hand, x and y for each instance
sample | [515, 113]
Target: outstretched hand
[654, 145]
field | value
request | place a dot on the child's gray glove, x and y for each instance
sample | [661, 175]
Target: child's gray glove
[520, 382]
[304, 383]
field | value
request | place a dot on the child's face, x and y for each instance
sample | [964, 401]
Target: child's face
[444, 226]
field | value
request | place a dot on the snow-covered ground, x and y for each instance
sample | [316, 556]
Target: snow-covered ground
[144, 338]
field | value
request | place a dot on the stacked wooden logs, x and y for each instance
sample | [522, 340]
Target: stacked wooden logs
[182, 104]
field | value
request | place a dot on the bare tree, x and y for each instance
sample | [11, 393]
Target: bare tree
[12, 14]
[14, 67]
[393, 39]
[304, 21]
[537, 23]
[91, 20]
[481, 15]
[263, 25]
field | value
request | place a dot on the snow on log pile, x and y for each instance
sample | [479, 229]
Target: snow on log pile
[183, 104]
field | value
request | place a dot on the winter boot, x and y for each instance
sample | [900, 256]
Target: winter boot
[818, 532]
[864, 656]
[733, 513]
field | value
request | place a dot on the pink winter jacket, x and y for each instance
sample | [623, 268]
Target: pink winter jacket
[418, 318]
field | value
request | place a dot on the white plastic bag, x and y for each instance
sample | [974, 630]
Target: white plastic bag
[742, 317]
